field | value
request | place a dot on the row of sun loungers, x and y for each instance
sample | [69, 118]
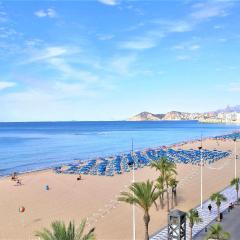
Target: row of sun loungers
[231, 136]
[125, 162]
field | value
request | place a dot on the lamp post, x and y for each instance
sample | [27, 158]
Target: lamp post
[201, 169]
[235, 162]
[133, 206]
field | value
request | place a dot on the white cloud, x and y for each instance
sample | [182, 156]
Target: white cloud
[122, 64]
[138, 44]
[105, 37]
[194, 47]
[34, 42]
[73, 89]
[7, 32]
[54, 105]
[162, 28]
[218, 27]
[46, 13]
[3, 16]
[61, 59]
[210, 8]
[222, 40]
[4, 85]
[234, 87]
[179, 26]
[109, 2]
[232, 67]
[183, 57]
[186, 46]
[72, 73]
[176, 26]
[47, 53]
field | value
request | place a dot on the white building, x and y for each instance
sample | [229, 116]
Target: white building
[232, 117]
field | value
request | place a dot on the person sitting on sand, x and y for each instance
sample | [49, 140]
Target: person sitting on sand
[14, 176]
[19, 182]
[79, 177]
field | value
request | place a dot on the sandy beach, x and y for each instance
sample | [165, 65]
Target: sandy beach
[95, 198]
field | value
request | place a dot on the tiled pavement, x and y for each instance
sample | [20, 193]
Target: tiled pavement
[207, 217]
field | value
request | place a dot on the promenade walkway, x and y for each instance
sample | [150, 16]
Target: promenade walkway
[206, 216]
[230, 224]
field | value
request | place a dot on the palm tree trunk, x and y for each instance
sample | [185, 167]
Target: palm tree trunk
[190, 234]
[218, 210]
[161, 201]
[146, 220]
[175, 197]
[156, 206]
[167, 199]
[172, 199]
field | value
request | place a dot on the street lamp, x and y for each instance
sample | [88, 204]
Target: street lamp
[200, 149]
[235, 162]
[133, 207]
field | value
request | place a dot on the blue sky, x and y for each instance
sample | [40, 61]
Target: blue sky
[110, 59]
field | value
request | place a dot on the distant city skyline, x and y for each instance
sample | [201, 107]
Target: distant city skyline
[110, 59]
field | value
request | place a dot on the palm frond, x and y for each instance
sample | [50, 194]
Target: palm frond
[193, 217]
[61, 232]
[216, 232]
[142, 194]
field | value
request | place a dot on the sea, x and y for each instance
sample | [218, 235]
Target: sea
[31, 146]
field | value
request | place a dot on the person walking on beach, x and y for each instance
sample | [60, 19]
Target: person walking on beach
[210, 208]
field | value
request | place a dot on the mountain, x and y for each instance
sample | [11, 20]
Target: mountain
[146, 116]
[229, 109]
[174, 115]
[227, 114]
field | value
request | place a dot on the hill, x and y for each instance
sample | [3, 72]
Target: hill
[228, 114]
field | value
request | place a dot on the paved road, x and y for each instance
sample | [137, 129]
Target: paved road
[230, 223]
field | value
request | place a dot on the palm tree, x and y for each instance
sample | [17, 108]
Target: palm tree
[218, 198]
[216, 232]
[160, 186]
[193, 218]
[166, 169]
[62, 232]
[163, 165]
[173, 184]
[142, 194]
[235, 182]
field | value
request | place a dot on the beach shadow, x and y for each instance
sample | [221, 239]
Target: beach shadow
[37, 220]
[32, 222]
[80, 180]
[18, 185]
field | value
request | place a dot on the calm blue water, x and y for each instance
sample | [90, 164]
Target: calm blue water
[32, 146]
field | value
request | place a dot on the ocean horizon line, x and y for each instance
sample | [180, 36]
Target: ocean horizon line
[56, 121]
